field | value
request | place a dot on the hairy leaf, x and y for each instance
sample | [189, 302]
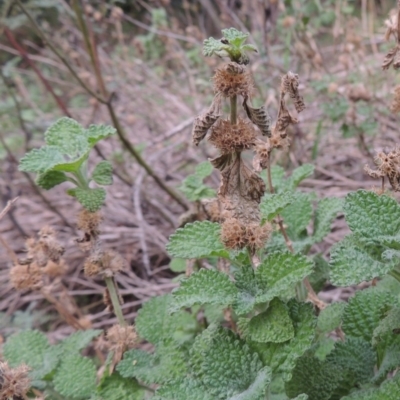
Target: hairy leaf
[30, 348]
[154, 322]
[226, 366]
[168, 363]
[197, 240]
[389, 324]
[364, 311]
[351, 263]
[115, 387]
[389, 362]
[273, 204]
[204, 287]
[273, 325]
[75, 378]
[313, 377]
[95, 133]
[331, 317]
[325, 214]
[280, 272]
[298, 175]
[373, 216]
[69, 137]
[78, 341]
[41, 160]
[102, 173]
[389, 390]
[281, 357]
[204, 169]
[50, 179]
[248, 290]
[355, 356]
[91, 199]
[185, 389]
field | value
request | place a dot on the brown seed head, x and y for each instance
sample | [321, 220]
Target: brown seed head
[106, 263]
[14, 382]
[54, 269]
[359, 92]
[258, 235]
[25, 277]
[122, 337]
[230, 138]
[49, 244]
[233, 79]
[233, 234]
[89, 222]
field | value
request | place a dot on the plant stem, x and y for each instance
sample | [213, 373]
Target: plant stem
[233, 100]
[115, 300]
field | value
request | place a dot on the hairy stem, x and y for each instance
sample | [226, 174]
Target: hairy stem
[233, 100]
[115, 300]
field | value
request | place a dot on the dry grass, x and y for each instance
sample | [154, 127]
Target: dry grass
[156, 101]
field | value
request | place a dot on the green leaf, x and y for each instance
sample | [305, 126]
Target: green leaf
[273, 325]
[197, 240]
[389, 324]
[78, 341]
[313, 377]
[364, 311]
[248, 290]
[115, 387]
[281, 357]
[30, 348]
[325, 214]
[185, 389]
[373, 216]
[49, 179]
[389, 390]
[351, 262]
[95, 133]
[102, 173]
[273, 204]
[320, 274]
[204, 287]
[154, 322]
[330, 317]
[234, 37]
[168, 363]
[212, 46]
[297, 216]
[69, 137]
[249, 47]
[41, 160]
[91, 199]
[356, 357]
[204, 169]
[75, 378]
[298, 175]
[279, 272]
[177, 265]
[389, 362]
[226, 367]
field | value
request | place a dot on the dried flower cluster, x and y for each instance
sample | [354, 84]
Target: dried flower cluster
[119, 340]
[393, 29]
[241, 188]
[235, 236]
[14, 382]
[232, 80]
[388, 165]
[44, 259]
[100, 262]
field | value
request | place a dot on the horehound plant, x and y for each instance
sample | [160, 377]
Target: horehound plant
[243, 328]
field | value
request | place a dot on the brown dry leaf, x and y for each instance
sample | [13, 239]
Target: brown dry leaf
[389, 58]
[241, 189]
[205, 121]
[290, 84]
[259, 117]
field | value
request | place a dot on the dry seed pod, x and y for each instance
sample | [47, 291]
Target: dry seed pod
[259, 117]
[205, 121]
[232, 138]
[14, 382]
[290, 84]
[389, 58]
[232, 80]
[235, 68]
